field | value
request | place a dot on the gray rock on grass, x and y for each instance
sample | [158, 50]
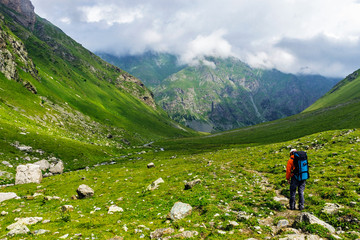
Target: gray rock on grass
[331, 208]
[180, 210]
[84, 191]
[151, 165]
[154, 185]
[57, 168]
[158, 233]
[190, 185]
[311, 219]
[43, 164]
[7, 196]
[29, 173]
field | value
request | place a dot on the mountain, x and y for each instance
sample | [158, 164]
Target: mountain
[59, 97]
[223, 94]
[151, 67]
[339, 109]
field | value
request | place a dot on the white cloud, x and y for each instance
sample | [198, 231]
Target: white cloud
[211, 45]
[258, 30]
[110, 14]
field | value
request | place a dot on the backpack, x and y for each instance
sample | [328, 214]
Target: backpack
[301, 171]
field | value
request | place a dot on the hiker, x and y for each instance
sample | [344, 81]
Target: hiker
[296, 182]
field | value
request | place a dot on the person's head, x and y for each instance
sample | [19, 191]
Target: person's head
[292, 151]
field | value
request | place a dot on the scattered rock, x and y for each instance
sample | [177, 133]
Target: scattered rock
[21, 229]
[6, 175]
[6, 163]
[58, 168]
[283, 223]
[67, 208]
[84, 191]
[43, 164]
[300, 237]
[48, 198]
[158, 233]
[151, 165]
[311, 219]
[185, 234]
[154, 185]
[23, 222]
[190, 185]
[3, 213]
[7, 196]
[331, 208]
[243, 216]
[41, 231]
[180, 210]
[28, 173]
[115, 208]
[116, 238]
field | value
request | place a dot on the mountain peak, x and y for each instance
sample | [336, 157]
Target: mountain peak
[25, 9]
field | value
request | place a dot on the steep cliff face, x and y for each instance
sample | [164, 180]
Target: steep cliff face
[25, 11]
[14, 58]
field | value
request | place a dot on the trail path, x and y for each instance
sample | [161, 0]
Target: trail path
[287, 214]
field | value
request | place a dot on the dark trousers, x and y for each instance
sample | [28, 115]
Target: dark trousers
[300, 185]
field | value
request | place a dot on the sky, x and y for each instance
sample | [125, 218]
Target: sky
[294, 36]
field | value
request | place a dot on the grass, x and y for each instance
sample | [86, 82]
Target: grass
[229, 184]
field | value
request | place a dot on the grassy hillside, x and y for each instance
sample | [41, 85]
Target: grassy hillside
[237, 184]
[59, 97]
[345, 91]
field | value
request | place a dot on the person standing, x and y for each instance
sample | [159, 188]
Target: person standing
[294, 183]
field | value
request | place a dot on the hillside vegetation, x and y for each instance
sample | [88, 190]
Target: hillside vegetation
[57, 97]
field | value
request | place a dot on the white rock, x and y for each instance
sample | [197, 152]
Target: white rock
[154, 185]
[180, 210]
[307, 217]
[28, 173]
[84, 191]
[58, 168]
[114, 208]
[20, 229]
[67, 208]
[7, 196]
[331, 208]
[43, 164]
[24, 221]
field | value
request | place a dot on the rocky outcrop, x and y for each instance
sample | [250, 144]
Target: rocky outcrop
[24, 11]
[14, 56]
[29, 173]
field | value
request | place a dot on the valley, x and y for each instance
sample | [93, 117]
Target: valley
[87, 153]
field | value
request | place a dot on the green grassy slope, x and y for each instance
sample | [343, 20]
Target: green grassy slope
[234, 182]
[345, 91]
[84, 108]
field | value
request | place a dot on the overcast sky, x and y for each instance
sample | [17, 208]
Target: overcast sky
[312, 36]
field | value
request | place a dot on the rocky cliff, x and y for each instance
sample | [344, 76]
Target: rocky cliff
[22, 11]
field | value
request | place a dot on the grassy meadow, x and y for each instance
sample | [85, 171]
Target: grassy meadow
[233, 180]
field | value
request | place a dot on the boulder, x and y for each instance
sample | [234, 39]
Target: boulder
[58, 168]
[311, 219]
[23, 222]
[67, 208]
[28, 173]
[283, 223]
[84, 191]
[7, 196]
[158, 233]
[21, 229]
[190, 185]
[43, 164]
[154, 185]
[331, 208]
[151, 165]
[180, 210]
